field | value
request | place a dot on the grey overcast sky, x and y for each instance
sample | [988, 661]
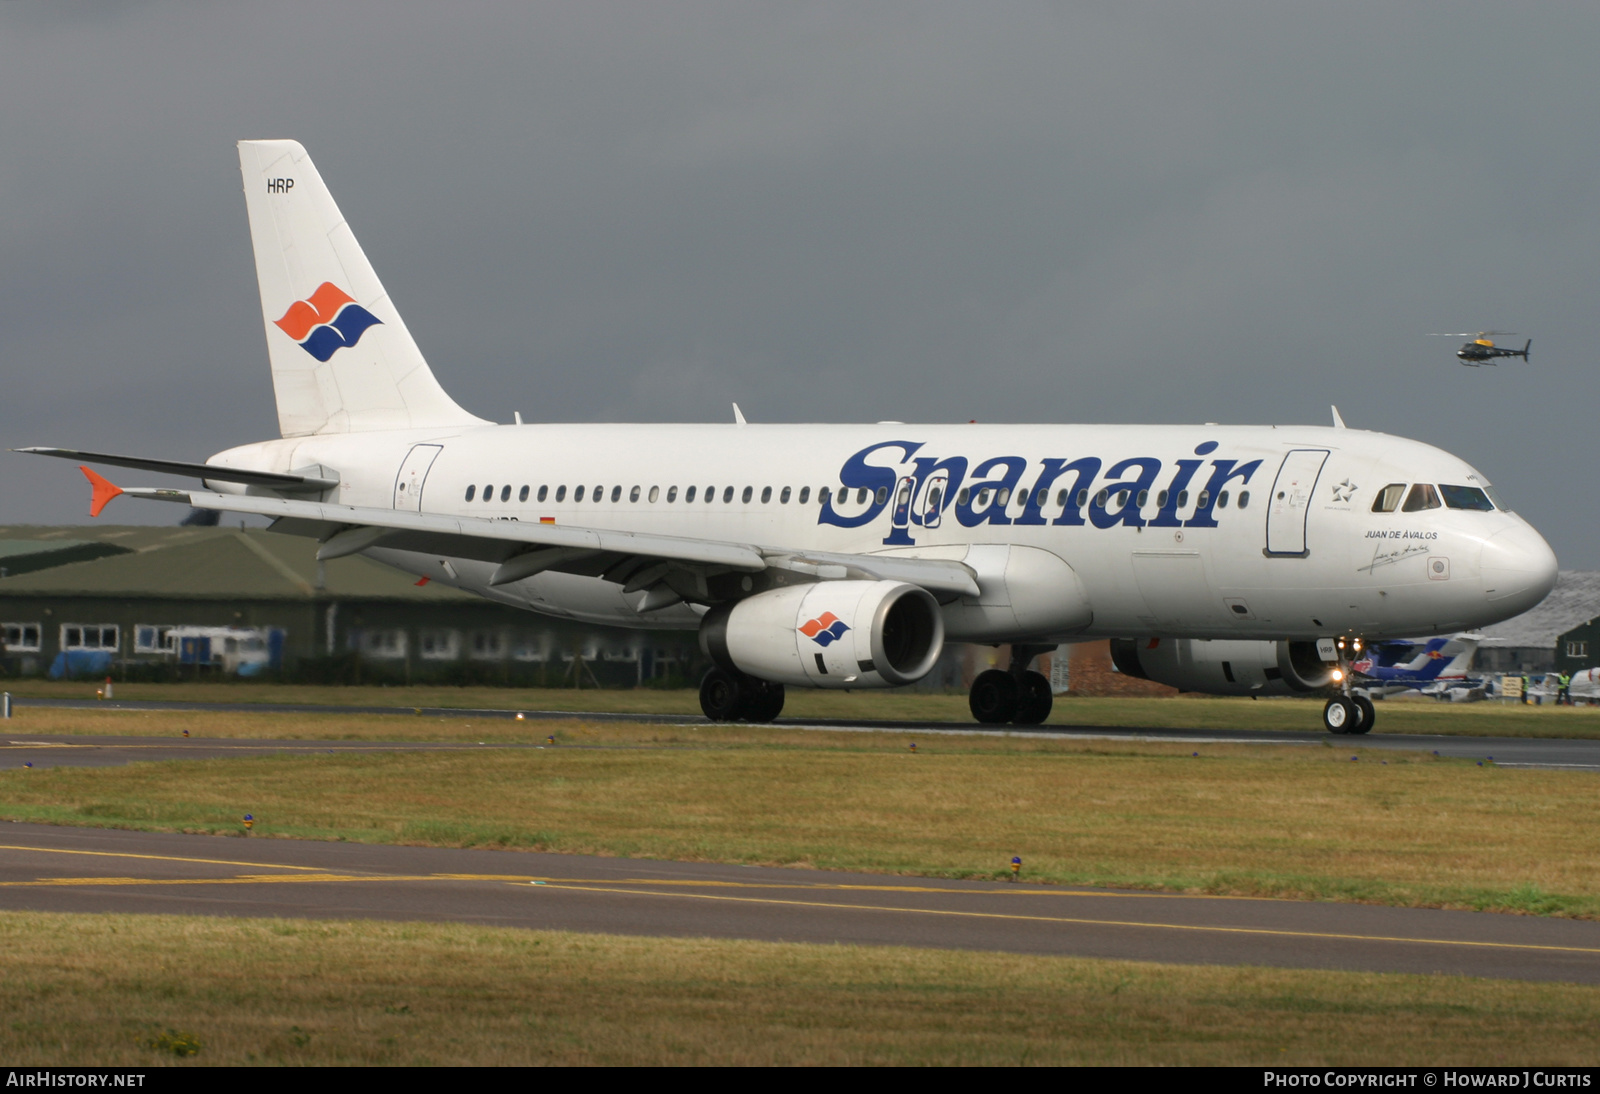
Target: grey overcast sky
[1124, 212]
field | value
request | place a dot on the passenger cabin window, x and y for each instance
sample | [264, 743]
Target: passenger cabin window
[544, 492]
[1083, 497]
[616, 495]
[822, 496]
[882, 495]
[655, 494]
[599, 494]
[633, 495]
[766, 495]
[1222, 500]
[505, 492]
[805, 494]
[1466, 497]
[861, 496]
[749, 492]
[561, 493]
[472, 492]
[1422, 496]
[522, 495]
[783, 498]
[1244, 498]
[711, 494]
[727, 495]
[577, 495]
[488, 493]
[1389, 497]
[1143, 499]
[672, 493]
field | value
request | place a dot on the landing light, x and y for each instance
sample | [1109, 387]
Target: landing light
[1337, 676]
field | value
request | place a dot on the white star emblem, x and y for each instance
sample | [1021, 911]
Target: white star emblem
[1343, 491]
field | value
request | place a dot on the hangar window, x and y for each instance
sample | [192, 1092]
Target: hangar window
[1465, 497]
[388, 643]
[783, 498]
[544, 492]
[1578, 649]
[92, 636]
[488, 646]
[1422, 496]
[147, 638]
[805, 494]
[561, 493]
[522, 495]
[749, 492]
[1389, 497]
[472, 492]
[633, 495]
[505, 492]
[577, 495]
[439, 645]
[22, 637]
[727, 495]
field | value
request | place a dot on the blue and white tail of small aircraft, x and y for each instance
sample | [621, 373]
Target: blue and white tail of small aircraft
[1435, 666]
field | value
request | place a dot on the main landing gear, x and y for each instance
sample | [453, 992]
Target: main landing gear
[1017, 695]
[1351, 714]
[734, 697]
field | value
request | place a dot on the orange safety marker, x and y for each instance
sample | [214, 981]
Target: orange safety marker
[104, 490]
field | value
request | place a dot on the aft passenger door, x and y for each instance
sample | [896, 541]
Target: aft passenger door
[1291, 501]
[413, 473]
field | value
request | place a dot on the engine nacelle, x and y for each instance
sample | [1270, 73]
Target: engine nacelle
[831, 634]
[1224, 666]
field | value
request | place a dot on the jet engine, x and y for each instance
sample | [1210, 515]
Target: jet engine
[1224, 667]
[831, 634]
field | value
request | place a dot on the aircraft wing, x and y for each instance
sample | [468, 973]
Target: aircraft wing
[680, 564]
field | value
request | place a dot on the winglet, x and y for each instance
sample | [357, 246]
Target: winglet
[1338, 422]
[104, 490]
[738, 415]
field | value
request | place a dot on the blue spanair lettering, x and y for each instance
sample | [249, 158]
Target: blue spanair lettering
[927, 467]
[1224, 472]
[1038, 497]
[857, 474]
[1168, 517]
[1127, 511]
[994, 512]
[1084, 472]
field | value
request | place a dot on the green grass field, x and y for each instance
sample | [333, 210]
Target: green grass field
[143, 991]
[1297, 821]
[1394, 715]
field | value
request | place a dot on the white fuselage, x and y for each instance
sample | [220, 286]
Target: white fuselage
[1303, 556]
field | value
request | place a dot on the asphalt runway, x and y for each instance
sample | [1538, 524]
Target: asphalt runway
[43, 868]
[17, 748]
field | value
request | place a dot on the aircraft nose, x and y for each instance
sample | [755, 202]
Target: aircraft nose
[1519, 569]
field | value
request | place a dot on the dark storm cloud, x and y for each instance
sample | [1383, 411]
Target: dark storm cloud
[1225, 212]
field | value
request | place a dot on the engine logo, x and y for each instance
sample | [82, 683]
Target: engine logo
[825, 629]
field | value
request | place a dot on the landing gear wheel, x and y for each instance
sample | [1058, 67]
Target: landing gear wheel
[1033, 699]
[765, 703]
[1368, 714]
[994, 697]
[1340, 716]
[723, 696]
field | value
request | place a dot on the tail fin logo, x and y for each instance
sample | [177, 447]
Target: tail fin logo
[326, 321]
[825, 629]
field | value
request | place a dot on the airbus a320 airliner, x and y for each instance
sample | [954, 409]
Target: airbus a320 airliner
[1246, 560]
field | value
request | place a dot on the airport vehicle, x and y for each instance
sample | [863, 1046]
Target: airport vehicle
[1481, 350]
[1440, 667]
[1228, 558]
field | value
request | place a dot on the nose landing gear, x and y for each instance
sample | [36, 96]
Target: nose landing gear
[1016, 695]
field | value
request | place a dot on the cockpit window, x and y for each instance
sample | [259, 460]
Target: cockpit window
[1494, 496]
[1422, 496]
[1465, 497]
[1389, 497]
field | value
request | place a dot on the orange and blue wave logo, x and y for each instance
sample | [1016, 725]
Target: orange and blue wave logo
[326, 321]
[825, 629]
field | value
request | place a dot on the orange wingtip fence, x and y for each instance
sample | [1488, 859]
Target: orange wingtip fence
[104, 490]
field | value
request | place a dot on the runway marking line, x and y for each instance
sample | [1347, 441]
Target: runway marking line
[157, 858]
[597, 887]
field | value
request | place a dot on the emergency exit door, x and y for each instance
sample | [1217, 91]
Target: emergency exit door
[413, 473]
[1291, 502]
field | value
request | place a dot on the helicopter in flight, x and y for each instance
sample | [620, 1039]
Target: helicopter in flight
[1481, 350]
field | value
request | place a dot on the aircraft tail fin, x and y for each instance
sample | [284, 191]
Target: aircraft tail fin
[342, 359]
[1526, 348]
